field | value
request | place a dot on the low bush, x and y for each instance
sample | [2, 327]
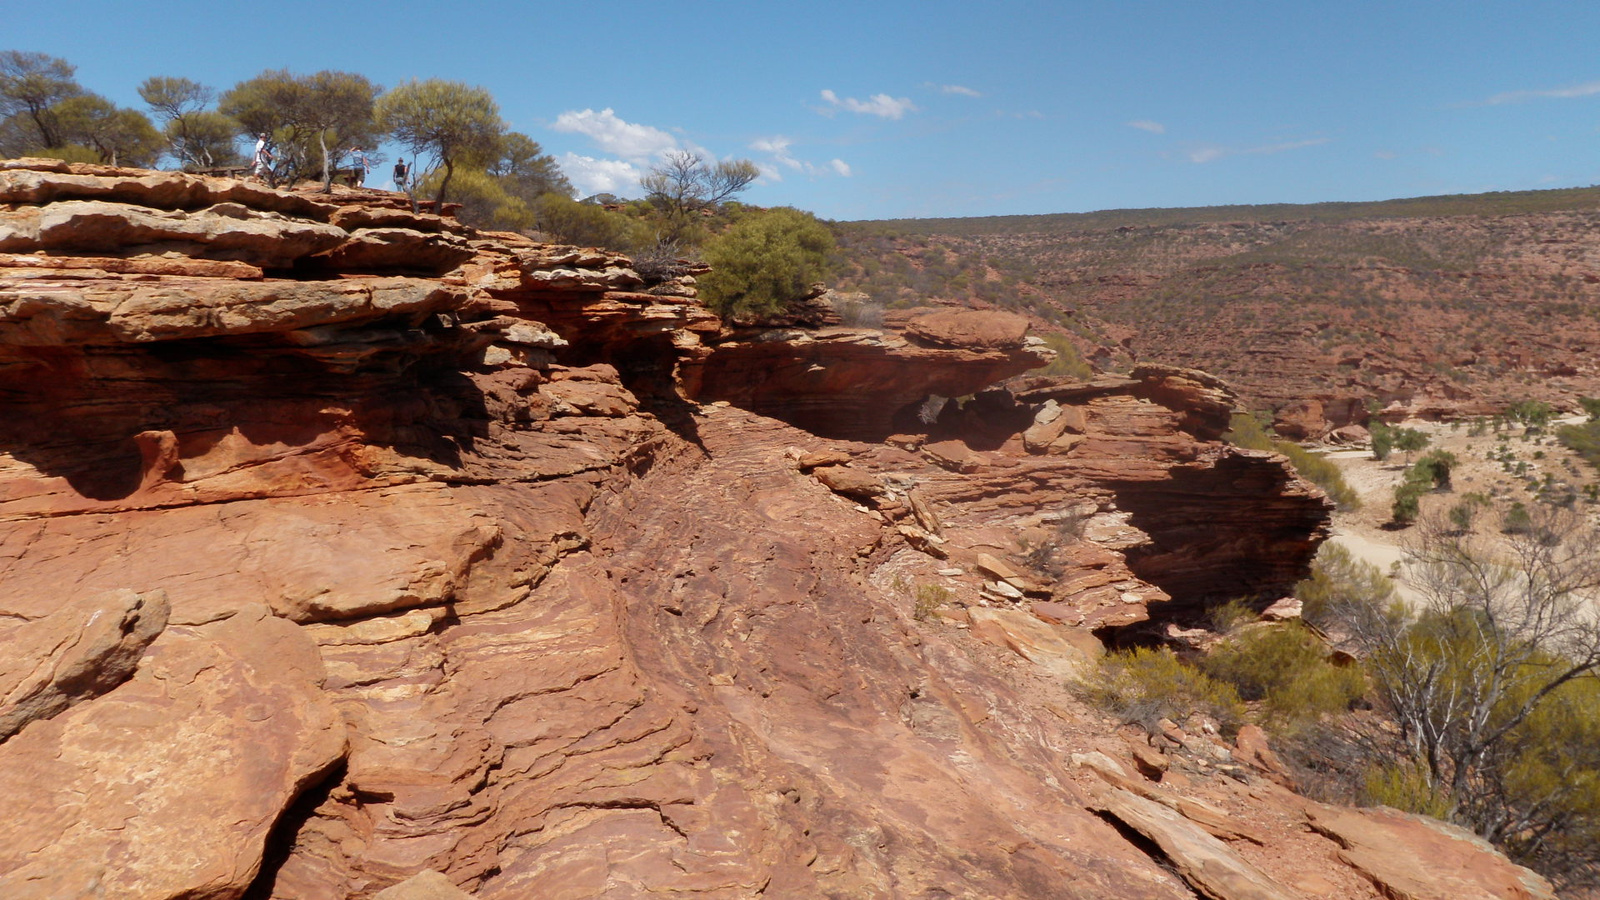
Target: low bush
[1068, 363]
[1247, 431]
[765, 262]
[1287, 669]
[1339, 584]
[1403, 786]
[1143, 686]
[928, 599]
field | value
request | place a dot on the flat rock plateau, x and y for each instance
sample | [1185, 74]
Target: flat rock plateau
[349, 552]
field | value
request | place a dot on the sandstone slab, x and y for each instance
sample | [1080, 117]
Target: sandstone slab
[80, 651]
[1411, 857]
[1030, 638]
[1206, 863]
[167, 786]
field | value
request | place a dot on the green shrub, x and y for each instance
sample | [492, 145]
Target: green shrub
[1433, 469]
[484, 201]
[929, 598]
[1517, 519]
[1230, 616]
[1533, 414]
[1285, 667]
[1407, 503]
[1340, 584]
[1143, 686]
[1461, 515]
[1403, 786]
[1068, 363]
[1382, 440]
[1583, 440]
[568, 221]
[765, 262]
[1245, 430]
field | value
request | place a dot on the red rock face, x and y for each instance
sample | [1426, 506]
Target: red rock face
[443, 595]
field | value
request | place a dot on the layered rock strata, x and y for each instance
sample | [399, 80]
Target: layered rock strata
[385, 557]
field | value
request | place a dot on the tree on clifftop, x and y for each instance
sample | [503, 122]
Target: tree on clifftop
[113, 135]
[312, 119]
[196, 135]
[31, 85]
[684, 184]
[447, 120]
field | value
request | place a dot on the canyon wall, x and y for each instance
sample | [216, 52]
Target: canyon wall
[350, 552]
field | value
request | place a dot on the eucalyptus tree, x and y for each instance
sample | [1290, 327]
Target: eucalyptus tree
[311, 119]
[31, 86]
[196, 134]
[447, 122]
[115, 135]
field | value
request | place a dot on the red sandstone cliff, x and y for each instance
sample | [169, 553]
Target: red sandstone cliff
[349, 551]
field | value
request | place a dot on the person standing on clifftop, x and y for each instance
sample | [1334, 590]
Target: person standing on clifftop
[400, 173]
[261, 163]
[359, 166]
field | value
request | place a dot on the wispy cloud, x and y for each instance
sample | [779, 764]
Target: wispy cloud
[1147, 125]
[1587, 89]
[611, 134]
[1212, 152]
[960, 90]
[780, 157]
[881, 105]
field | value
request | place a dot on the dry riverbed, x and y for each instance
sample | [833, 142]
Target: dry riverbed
[1368, 533]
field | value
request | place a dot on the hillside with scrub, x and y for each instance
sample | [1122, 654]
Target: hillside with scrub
[1441, 306]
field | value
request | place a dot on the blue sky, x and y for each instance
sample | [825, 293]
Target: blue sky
[894, 109]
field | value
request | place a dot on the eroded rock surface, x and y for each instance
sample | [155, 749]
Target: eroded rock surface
[520, 570]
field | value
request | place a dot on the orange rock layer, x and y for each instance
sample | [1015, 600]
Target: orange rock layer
[346, 551]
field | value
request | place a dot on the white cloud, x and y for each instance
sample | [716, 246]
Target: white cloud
[959, 90]
[778, 148]
[1288, 145]
[1386, 154]
[637, 143]
[1147, 125]
[600, 176]
[1212, 153]
[1587, 89]
[877, 105]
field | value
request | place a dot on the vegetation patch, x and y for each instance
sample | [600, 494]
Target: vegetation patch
[1247, 431]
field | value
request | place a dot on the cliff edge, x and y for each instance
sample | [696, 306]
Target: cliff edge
[350, 552]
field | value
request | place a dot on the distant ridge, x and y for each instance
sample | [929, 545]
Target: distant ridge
[1497, 203]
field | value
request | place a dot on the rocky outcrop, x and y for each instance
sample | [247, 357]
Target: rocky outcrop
[77, 652]
[862, 383]
[495, 577]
